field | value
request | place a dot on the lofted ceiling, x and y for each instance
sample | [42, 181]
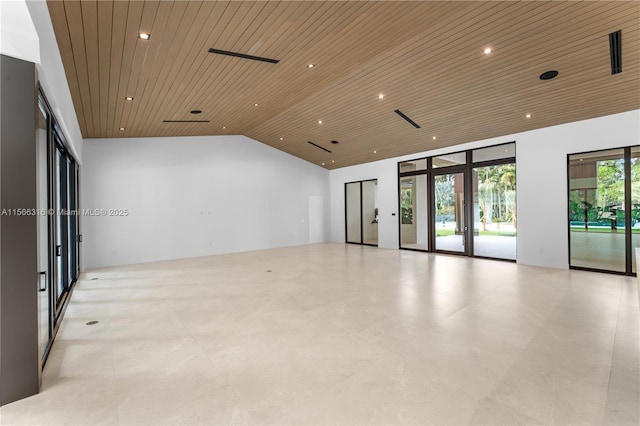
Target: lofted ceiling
[426, 58]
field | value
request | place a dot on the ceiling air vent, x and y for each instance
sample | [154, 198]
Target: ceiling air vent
[185, 121]
[243, 56]
[413, 123]
[615, 51]
[318, 146]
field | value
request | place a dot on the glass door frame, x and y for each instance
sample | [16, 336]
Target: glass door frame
[346, 214]
[467, 169]
[429, 187]
[479, 165]
[467, 242]
[68, 177]
[627, 217]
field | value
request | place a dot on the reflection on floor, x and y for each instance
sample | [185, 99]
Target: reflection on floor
[342, 334]
[598, 250]
[414, 246]
[503, 247]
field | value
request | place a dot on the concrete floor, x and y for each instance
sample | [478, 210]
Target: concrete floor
[342, 334]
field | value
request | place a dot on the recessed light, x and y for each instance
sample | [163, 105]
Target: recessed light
[527, 116]
[332, 161]
[381, 96]
[548, 75]
[434, 138]
[224, 127]
[121, 129]
[323, 164]
[256, 104]
[281, 139]
[195, 111]
[128, 98]
[581, 159]
[319, 121]
[144, 36]
[310, 66]
[487, 50]
[375, 152]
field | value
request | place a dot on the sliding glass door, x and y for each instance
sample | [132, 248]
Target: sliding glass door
[45, 316]
[460, 203]
[604, 209]
[370, 212]
[58, 239]
[494, 211]
[353, 213]
[634, 178]
[449, 220]
[361, 212]
[413, 212]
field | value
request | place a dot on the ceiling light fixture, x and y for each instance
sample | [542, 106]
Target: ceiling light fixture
[527, 116]
[144, 36]
[224, 127]
[281, 139]
[323, 164]
[310, 65]
[128, 98]
[332, 161]
[255, 105]
[434, 138]
[381, 96]
[487, 50]
[121, 129]
[319, 121]
[375, 152]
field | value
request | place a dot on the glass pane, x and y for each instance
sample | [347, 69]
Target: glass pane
[449, 226]
[69, 218]
[42, 232]
[413, 212]
[635, 204]
[494, 211]
[353, 213]
[454, 159]
[413, 165]
[596, 210]
[494, 152]
[60, 285]
[370, 212]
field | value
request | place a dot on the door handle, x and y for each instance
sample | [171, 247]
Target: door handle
[40, 275]
[58, 250]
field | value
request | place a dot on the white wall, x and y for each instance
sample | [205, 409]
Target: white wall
[541, 169]
[18, 37]
[195, 196]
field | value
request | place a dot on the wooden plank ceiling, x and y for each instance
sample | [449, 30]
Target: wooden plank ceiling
[426, 58]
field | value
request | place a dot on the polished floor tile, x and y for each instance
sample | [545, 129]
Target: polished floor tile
[342, 334]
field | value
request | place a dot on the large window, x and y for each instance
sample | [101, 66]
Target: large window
[462, 202]
[604, 209]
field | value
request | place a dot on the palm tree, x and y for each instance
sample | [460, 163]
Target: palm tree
[508, 179]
